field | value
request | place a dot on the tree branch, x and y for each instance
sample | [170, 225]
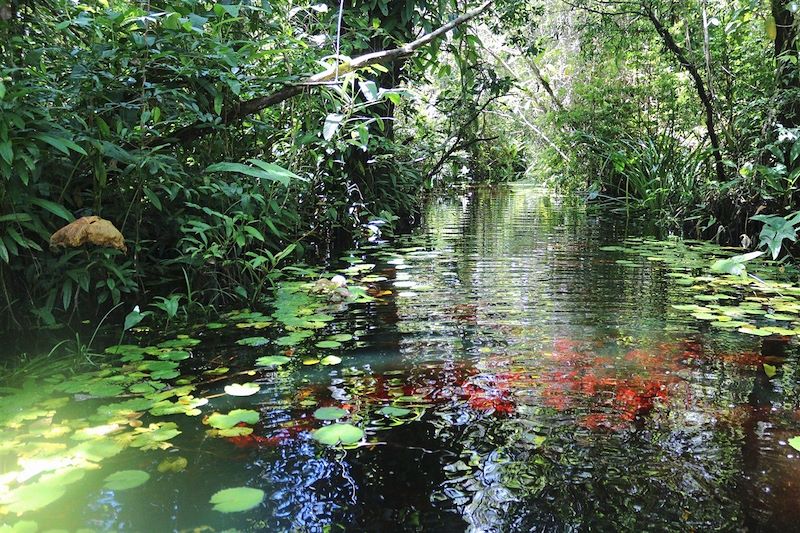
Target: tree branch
[249, 107]
[700, 86]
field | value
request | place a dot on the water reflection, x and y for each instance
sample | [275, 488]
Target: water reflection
[515, 378]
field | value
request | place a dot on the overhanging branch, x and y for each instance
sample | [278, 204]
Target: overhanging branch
[254, 105]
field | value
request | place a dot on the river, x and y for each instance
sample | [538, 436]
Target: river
[515, 364]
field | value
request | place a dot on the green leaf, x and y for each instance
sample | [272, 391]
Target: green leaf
[54, 208]
[279, 173]
[330, 360]
[369, 90]
[272, 360]
[770, 370]
[332, 123]
[253, 341]
[126, 479]
[153, 198]
[394, 411]
[330, 413]
[6, 152]
[61, 144]
[265, 171]
[237, 416]
[338, 434]
[328, 344]
[734, 266]
[32, 497]
[237, 499]
[794, 442]
[132, 319]
[795, 150]
[173, 464]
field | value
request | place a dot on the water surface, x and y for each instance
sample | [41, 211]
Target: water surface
[544, 384]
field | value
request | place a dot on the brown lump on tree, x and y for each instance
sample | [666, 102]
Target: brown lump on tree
[88, 230]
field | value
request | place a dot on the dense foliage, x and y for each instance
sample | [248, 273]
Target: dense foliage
[223, 138]
[682, 111]
[150, 115]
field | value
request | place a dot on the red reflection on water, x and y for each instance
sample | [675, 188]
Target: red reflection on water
[623, 387]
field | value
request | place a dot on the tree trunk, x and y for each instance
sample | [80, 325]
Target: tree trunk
[700, 86]
[787, 73]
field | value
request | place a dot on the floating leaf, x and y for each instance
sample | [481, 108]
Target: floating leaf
[174, 355]
[272, 360]
[23, 526]
[253, 341]
[217, 371]
[32, 497]
[394, 411]
[770, 370]
[180, 342]
[237, 499]
[794, 442]
[126, 479]
[759, 332]
[237, 416]
[155, 436]
[338, 434]
[328, 344]
[330, 360]
[330, 413]
[245, 389]
[173, 464]
[97, 450]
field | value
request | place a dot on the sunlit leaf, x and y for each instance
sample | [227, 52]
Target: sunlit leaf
[245, 389]
[237, 416]
[272, 360]
[335, 434]
[126, 479]
[237, 499]
[330, 413]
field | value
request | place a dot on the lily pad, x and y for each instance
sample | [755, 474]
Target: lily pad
[244, 389]
[328, 344]
[237, 416]
[272, 360]
[394, 411]
[237, 499]
[180, 342]
[338, 434]
[253, 341]
[126, 479]
[330, 413]
[341, 337]
[330, 360]
[173, 464]
[32, 497]
[759, 332]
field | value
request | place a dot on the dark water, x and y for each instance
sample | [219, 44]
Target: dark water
[550, 388]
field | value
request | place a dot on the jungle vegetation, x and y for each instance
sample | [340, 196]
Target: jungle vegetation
[227, 139]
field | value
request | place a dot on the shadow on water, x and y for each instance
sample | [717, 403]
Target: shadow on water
[538, 383]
